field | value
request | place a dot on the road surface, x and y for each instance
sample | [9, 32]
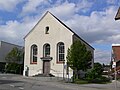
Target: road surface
[18, 82]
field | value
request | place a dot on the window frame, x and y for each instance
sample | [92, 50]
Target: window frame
[60, 52]
[46, 47]
[34, 54]
[47, 30]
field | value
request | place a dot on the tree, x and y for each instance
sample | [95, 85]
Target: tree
[14, 61]
[96, 72]
[78, 57]
[14, 56]
[98, 69]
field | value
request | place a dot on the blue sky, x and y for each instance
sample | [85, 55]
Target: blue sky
[93, 20]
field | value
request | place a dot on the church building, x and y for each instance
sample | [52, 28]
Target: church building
[46, 47]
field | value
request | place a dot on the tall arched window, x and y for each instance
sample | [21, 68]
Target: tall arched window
[46, 48]
[34, 52]
[60, 52]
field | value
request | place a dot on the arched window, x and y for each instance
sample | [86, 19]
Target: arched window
[46, 48]
[34, 52]
[60, 52]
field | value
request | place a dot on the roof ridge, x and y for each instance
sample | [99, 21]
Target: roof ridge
[62, 24]
[70, 29]
[36, 24]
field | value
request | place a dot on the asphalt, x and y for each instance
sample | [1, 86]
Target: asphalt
[49, 83]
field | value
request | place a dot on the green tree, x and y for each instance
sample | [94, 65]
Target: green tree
[14, 56]
[78, 57]
[95, 75]
[96, 72]
[99, 68]
[14, 61]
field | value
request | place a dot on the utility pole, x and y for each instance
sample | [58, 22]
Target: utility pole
[115, 72]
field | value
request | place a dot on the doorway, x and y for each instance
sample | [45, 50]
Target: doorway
[46, 67]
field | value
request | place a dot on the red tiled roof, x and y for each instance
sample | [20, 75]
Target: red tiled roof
[116, 52]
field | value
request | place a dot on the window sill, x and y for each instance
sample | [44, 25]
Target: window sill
[60, 62]
[33, 63]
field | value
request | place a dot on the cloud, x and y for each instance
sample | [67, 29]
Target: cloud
[84, 5]
[99, 27]
[31, 6]
[70, 8]
[111, 1]
[9, 5]
[102, 56]
[15, 31]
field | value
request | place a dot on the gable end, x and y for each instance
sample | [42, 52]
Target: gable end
[36, 24]
[71, 31]
[118, 14]
[62, 24]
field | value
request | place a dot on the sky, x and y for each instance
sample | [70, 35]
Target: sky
[92, 20]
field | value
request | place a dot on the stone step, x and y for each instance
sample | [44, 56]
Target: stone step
[42, 75]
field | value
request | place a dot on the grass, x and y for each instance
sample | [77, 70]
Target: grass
[81, 82]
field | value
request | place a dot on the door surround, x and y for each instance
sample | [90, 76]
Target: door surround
[46, 65]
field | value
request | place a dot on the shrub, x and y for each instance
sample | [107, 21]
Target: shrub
[14, 68]
[99, 80]
[95, 75]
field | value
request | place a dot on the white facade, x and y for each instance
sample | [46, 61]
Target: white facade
[57, 32]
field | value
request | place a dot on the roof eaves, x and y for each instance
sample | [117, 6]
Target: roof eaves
[84, 41]
[36, 24]
[10, 43]
[71, 30]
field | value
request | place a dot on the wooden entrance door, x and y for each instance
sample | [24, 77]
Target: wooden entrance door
[46, 67]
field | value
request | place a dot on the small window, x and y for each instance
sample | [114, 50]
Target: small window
[47, 30]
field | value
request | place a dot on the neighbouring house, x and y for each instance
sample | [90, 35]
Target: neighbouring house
[5, 48]
[117, 17]
[116, 56]
[116, 49]
[46, 47]
[106, 69]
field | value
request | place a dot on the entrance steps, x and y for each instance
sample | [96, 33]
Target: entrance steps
[42, 75]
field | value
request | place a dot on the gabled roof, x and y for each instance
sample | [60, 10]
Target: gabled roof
[1, 42]
[37, 24]
[62, 24]
[118, 14]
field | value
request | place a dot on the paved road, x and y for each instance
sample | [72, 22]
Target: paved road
[17, 82]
